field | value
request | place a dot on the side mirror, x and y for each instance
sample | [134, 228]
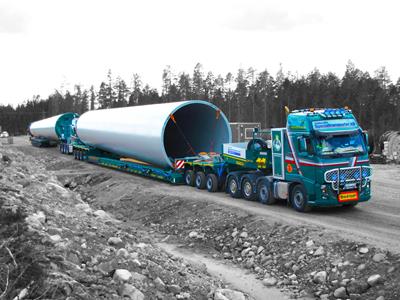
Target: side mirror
[365, 136]
[302, 144]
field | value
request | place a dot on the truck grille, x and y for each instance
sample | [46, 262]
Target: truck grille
[344, 176]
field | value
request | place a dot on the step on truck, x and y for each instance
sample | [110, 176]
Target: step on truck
[319, 159]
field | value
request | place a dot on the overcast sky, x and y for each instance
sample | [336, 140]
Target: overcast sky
[45, 44]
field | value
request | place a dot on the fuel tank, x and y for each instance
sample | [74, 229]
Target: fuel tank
[52, 128]
[156, 133]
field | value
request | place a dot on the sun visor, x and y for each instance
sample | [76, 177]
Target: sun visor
[341, 126]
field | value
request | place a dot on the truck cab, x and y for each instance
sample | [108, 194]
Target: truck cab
[322, 155]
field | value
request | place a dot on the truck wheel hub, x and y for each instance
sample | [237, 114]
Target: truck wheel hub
[298, 199]
[233, 186]
[247, 188]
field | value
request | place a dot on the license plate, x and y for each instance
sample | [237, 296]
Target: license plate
[348, 196]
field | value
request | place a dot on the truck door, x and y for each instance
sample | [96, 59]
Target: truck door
[278, 168]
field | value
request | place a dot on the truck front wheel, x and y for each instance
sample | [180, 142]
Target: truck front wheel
[189, 178]
[200, 180]
[212, 183]
[298, 198]
[233, 187]
[264, 193]
[247, 190]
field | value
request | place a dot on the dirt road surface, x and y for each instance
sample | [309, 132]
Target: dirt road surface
[376, 222]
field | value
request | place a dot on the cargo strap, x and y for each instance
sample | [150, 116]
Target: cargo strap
[183, 135]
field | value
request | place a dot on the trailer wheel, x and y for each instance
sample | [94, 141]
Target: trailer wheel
[189, 177]
[200, 180]
[233, 187]
[248, 190]
[298, 198]
[264, 193]
[212, 183]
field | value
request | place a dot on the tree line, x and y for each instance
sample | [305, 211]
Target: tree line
[246, 96]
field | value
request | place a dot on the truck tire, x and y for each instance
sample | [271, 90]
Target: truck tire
[189, 177]
[264, 193]
[212, 183]
[200, 180]
[248, 190]
[233, 187]
[298, 198]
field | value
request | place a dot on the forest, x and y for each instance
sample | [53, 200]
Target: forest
[244, 96]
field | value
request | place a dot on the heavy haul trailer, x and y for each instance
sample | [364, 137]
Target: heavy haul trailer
[151, 140]
[51, 131]
[319, 159]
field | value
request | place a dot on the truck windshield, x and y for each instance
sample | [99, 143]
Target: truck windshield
[337, 145]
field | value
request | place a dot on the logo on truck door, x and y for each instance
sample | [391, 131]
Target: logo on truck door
[277, 144]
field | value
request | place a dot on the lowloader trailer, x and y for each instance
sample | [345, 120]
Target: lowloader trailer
[319, 159]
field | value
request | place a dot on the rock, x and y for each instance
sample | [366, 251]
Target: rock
[355, 297]
[184, 295]
[380, 298]
[293, 277]
[374, 279]
[340, 292]
[260, 249]
[55, 238]
[319, 251]
[295, 268]
[357, 287]
[361, 267]
[227, 294]
[378, 257]
[130, 292]
[309, 244]
[115, 241]
[193, 235]
[320, 277]
[363, 250]
[174, 288]
[269, 281]
[122, 275]
[138, 277]
[160, 285]
[391, 269]
[324, 297]
[122, 253]
[101, 214]
[36, 220]
[136, 263]
[246, 245]
[244, 235]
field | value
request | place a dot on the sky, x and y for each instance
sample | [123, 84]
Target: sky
[54, 44]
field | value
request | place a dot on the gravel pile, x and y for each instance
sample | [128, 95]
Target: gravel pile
[53, 245]
[302, 261]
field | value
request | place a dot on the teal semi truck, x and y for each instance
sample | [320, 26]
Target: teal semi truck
[319, 159]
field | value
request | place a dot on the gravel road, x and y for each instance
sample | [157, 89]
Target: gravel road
[376, 222]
